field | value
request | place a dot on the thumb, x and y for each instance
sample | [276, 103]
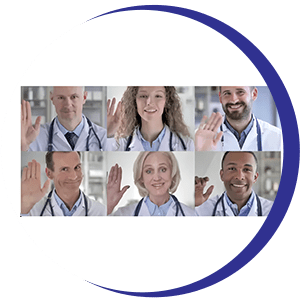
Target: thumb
[46, 186]
[208, 192]
[218, 137]
[124, 189]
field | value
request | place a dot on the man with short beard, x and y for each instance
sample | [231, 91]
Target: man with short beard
[239, 129]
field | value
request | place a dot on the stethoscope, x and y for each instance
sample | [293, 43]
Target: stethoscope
[170, 142]
[91, 128]
[221, 199]
[51, 208]
[258, 131]
[178, 207]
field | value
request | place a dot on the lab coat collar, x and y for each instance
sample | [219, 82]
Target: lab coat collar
[171, 212]
[81, 139]
[57, 210]
[228, 211]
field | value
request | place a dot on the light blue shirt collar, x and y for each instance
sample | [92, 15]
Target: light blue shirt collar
[77, 130]
[63, 206]
[245, 209]
[241, 138]
[154, 210]
[155, 144]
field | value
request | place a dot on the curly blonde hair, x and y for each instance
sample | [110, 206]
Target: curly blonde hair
[172, 115]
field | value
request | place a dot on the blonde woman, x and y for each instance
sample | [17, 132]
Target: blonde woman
[157, 176]
[149, 118]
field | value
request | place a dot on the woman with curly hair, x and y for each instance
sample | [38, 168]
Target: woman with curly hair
[149, 119]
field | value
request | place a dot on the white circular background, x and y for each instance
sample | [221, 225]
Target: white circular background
[133, 48]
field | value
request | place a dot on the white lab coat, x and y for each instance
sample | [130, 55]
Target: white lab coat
[136, 144]
[271, 137]
[207, 208]
[130, 209]
[60, 143]
[95, 208]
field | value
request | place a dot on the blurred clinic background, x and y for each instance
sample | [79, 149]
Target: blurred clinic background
[93, 168]
[41, 105]
[185, 190]
[207, 102]
[186, 94]
[269, 169]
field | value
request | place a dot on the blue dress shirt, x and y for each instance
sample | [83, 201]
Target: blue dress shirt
[245, 209]
[62, 205]
[241, 139]
[77, 130]
[155, 144]
[154, 210]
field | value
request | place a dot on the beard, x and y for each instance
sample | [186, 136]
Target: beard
[238, 115]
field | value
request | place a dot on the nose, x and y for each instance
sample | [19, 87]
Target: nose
[149, 100]
[234, 98]
[156, 176]
[240, 175]
[73, 175]
[68, 101]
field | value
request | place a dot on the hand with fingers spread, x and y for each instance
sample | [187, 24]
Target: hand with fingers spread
[29, 132]
[113, 118]
[31, 191]
[207, 136]
[200, 184]
[114, 194]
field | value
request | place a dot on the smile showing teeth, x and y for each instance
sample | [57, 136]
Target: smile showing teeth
[238, 185]
[158, 185]
[235, 106]
[150, 110]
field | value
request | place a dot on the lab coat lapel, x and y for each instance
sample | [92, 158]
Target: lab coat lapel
[144, 210]
[253, 211]
[228, 211]
[251, 139]
[59, 140]
[136, 144]
[164, 145]
[81, 142]
[56, 209]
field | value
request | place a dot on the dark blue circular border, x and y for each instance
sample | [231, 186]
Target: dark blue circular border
[290, 142]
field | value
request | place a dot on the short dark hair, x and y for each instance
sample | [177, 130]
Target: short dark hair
[225, 154]
[49, 158]
[251, 88]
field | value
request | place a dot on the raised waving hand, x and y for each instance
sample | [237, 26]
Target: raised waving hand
[113, 118]
[29, 132]
[31, 190]
[207, 136]
[114, 191]
[200, 196]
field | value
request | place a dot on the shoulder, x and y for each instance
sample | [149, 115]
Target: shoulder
[268, 128]
[95, 208]
[126, 210]
[38, 207]
[266, 205]
[188, 210]
[179, 141]
[207, 208]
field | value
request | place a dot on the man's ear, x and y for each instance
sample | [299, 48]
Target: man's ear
[49, 173]
[85, 96]
[221, 174]
[255, 176]
[254, 94]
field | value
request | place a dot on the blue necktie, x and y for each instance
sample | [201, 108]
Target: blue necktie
[71, 138]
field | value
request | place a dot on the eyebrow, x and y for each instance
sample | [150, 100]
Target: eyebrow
[161, 164]
[144, 91]
[235, 164]
[238, 89]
